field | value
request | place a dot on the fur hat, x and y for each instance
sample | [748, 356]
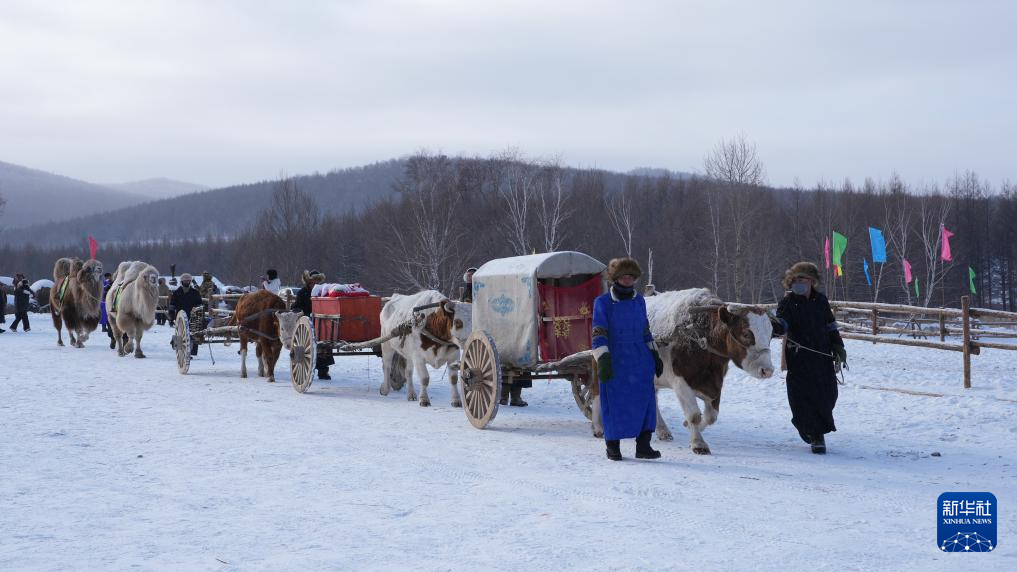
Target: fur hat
[313, 277]
[802, 270]
[185, 277]
[619, 267]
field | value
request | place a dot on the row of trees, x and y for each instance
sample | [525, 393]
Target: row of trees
[726, 230]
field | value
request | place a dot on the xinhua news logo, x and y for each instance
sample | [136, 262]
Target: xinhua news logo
[967, 522]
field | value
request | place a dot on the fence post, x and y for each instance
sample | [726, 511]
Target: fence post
[942, 327]
[966, 318]
[875, 324]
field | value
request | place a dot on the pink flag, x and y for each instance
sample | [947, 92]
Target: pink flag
[826, 251]
[93, 247]
[945, 253]
[907, 271]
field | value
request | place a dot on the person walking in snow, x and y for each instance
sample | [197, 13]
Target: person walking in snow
[3, 307]
[467, 287]
[812, 346]
[22, 296]
[627, 362]
[163, 306]
[303, 304]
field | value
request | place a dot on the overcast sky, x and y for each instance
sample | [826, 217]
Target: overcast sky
[219, 92]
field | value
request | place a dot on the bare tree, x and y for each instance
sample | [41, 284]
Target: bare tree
[517, 187]
[932, 216]
[554, 201]
[619, 211]
[734, 164]
[427, 249]
[283, 230]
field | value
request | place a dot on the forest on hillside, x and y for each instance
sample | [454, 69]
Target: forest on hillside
[726, 230]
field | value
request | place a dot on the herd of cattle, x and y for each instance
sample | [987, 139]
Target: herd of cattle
[698, 335]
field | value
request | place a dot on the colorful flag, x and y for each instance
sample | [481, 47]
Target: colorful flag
[826, 251]
[839, 246]
[916, 288]
[838, 271]
[868, 278]
[945, 253]
[907, 271]
[971, 279]
[93, 247]
[878, 245]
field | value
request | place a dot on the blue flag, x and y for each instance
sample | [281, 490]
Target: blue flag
[867, 277]
[878, 245]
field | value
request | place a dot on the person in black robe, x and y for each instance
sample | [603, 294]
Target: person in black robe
[303, 304]
[812, 348]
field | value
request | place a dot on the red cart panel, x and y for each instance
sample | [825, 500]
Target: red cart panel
[566, 315]
[350, 319]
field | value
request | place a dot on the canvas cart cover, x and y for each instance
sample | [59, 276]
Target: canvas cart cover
[505, 299]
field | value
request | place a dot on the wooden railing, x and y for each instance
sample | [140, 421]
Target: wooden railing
[903, 325]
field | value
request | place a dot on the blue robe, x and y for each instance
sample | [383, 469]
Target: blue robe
[628, 401]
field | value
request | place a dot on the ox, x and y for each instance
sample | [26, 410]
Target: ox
[440, 327]
[259, 315]
[698, 336]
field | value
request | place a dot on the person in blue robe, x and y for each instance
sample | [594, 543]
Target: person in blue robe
[627, 362]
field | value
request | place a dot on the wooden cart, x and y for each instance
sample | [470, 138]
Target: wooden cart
[344, 326]
[532, 318]
[196, 328]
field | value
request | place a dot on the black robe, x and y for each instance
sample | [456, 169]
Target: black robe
[811, 380]
[303, 304]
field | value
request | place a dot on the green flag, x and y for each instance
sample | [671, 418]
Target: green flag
[839, 246]
[916, 287]
[971, 279]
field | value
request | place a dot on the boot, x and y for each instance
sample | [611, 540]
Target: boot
[323, 374]
[613, 449]
[517, 399]
[643, 449]
[819, 445]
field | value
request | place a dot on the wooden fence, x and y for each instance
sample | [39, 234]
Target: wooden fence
[914, 325]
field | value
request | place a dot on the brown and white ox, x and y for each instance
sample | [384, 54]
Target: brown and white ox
[440, 327]
[262, 312]
[698, 336]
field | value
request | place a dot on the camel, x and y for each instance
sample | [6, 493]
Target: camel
[130, 303]
[75, 297]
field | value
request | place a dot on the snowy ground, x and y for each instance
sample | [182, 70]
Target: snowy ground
[110, 463]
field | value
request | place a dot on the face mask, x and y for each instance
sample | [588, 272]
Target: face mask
[800, 288]
[185, 285]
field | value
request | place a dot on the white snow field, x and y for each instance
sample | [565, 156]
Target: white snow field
[113, 463]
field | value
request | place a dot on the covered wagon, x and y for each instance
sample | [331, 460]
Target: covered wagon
[532, 319]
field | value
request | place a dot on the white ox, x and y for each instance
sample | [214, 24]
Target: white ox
[436, 337]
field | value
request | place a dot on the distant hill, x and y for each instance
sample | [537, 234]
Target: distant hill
[35, 197]
[217, 212]
[158, 188]
[659, 172]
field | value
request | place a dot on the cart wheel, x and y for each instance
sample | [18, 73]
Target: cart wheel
[182, 342]
[481, 379]
[303, 353]
[584, 389]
